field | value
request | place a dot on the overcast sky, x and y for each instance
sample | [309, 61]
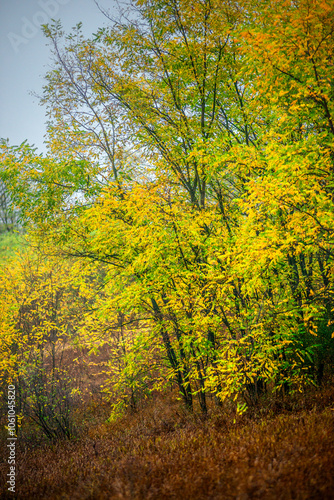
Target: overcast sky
[25, 58]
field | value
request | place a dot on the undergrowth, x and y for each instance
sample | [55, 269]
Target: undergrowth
[279, 449]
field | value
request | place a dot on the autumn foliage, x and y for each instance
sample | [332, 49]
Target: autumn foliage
[184, 209]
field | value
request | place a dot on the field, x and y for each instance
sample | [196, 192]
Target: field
[278, 450]
[10, 242]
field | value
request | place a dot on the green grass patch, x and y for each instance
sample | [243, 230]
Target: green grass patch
[10, 243]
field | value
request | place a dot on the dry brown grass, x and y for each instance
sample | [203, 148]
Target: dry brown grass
[282, 451]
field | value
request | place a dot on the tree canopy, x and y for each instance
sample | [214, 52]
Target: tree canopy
[191, 158]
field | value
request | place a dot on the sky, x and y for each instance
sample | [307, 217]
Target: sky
[25, 58]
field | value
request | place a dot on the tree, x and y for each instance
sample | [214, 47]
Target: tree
[198, 168]
[8, 213]
[42, 302]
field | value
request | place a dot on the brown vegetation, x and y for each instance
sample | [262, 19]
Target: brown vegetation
[276, 451]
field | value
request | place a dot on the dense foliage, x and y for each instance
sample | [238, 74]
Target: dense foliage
[190, 171]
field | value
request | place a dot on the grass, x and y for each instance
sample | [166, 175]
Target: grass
[10, 242]
[279, 450]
